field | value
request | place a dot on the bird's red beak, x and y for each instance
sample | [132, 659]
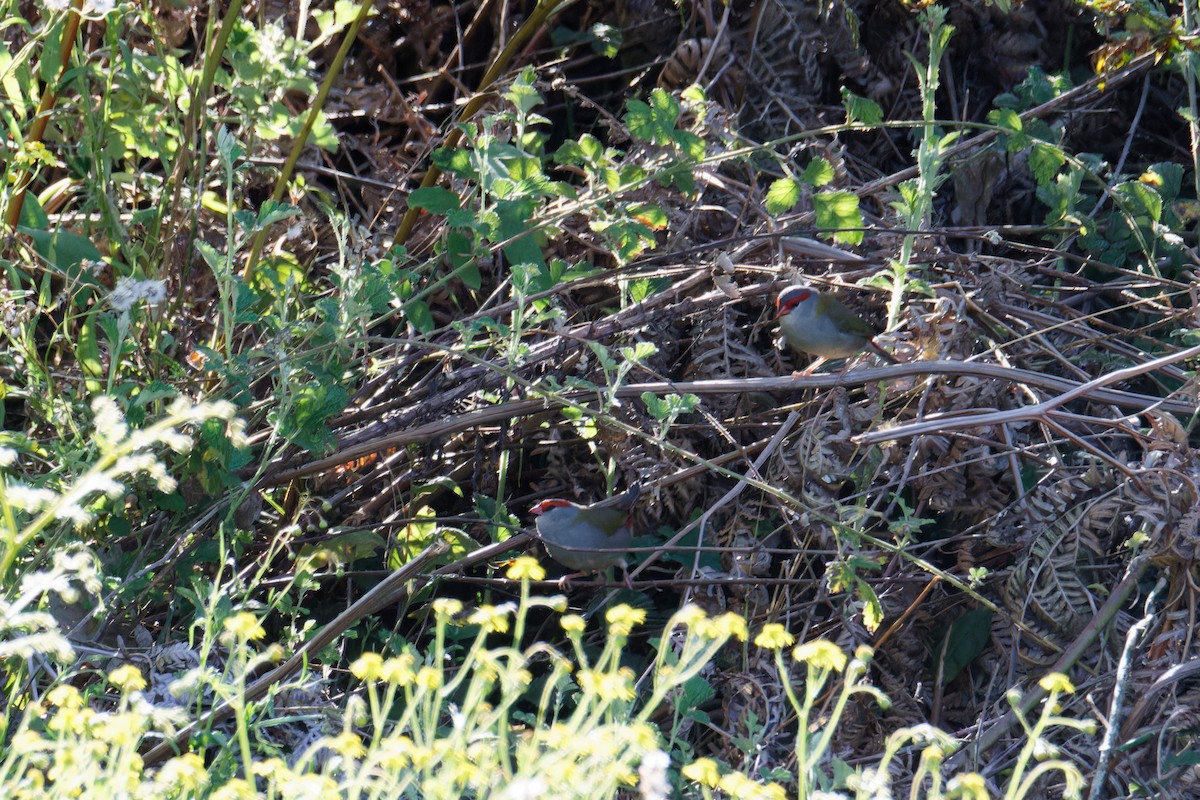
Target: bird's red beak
[546, 505]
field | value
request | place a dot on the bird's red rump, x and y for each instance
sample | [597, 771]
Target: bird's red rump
[546, 505]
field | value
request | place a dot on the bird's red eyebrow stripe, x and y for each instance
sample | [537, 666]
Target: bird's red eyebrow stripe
[546, 505]
[783, 308]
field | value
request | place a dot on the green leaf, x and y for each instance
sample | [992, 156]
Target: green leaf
[1139, 199]
[87, 353]
[639, 352]
[65, 250]
[168, 502]
[653, 122]
[460, 249]
[1166, 177]
[963, 642]
[606, 39]
[692, 145]
[783, 195]
[1012, 129]
[1045, 161]
[273, 211]
[522, 247]
[640, 289]
[341, 549]
[670, 405]
[861, 109]
[414, 537]
[457, 162]
[524, 168]
[435, 200]
[657, 407]
[650, 215]
[33, 216]
[872, 612]
[695, 692]
[418, 315]
[836, 210]
[522, 94]
[305, 421]
[818, 172]
[684, 551]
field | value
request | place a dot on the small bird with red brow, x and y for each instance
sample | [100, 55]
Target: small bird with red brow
[587, 538]
[819, 325]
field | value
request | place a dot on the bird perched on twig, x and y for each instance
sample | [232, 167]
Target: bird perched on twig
[587, 538]
[818, 324]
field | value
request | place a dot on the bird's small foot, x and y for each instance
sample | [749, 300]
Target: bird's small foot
[567, 582]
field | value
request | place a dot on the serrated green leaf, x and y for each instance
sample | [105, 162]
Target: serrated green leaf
[435, 200]
[783, 195]
[1012, 129]
[650, 215]
[273, 211]
[639, 352]
[818, 172]
[861, 110]
[1045, 161]
[522, 95]
[655, 405]
[836, 210]
[1137, 198]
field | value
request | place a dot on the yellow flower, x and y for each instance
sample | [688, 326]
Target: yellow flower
[127, 678]
[398, 671]
[1057, 682]
[184, 773]
[429, 678]
[316, 787]
[821, 653]
[704, 628]
[27, 743]
[447, 607]
[608, 685]
[623, 619]
[573, 623]
[688, 615]
[524, 568]
[395, 753]
[703, 771]
[739, 786]
[65, 696]
[236, 789]
[35, 779]
[646, 736]
[348, 744]
[774, 636]
[274, 769]
[493, 619]
[245, 627]
[120, 729]
[732, 625]
[970, 785]
[367, 667]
